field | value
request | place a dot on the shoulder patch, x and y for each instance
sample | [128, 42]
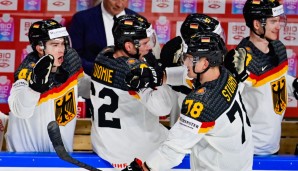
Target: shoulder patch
[131, 61]
[31, 65]
[201, 91]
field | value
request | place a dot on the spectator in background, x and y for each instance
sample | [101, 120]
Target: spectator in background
[91, 31]
[261, 64]
[45, 90]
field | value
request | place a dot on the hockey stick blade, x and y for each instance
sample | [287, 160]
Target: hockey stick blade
[55, 136]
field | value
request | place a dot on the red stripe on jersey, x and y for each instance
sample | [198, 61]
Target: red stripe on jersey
[268, 76]
[206, 126]
[57, 90]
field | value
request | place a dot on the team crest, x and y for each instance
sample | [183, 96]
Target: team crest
[65, 108]
[131, 61]
[279, 95]
[31, 64]
[201, 91]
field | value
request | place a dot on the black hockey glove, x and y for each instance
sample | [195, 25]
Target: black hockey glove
[39, 78]
[135, 165]
[143, 78]
[295, 86]
[171, 52]
[61, 75]
[153, 62]
[235, 62]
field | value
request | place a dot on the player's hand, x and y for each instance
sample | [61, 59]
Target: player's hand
[171, 52]
[295, 86]
[135, 165]
[40, 76]
[235, 62]
[143, 77]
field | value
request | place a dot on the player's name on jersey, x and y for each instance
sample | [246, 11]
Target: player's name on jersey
[102, 73]
[230, 88]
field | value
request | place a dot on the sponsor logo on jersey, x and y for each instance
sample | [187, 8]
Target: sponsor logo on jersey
[103, 74]
[279, 95]
[65, 108]
[229, 90]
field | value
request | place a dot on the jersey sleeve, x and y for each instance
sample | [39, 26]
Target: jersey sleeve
[84, 86]
[22, 100]
[173, 150]
[290, 88]
[160, 101]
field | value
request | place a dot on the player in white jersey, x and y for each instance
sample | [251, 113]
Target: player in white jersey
[264, 72]
[213, 126]
[45, 89]
[176, 75]
[126, 118]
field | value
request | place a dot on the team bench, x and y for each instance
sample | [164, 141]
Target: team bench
[82, 141]
[289, 136]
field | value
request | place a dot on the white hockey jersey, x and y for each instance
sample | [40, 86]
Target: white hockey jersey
[32, 111]
[213, 128]
[266, 94]
[125, 124]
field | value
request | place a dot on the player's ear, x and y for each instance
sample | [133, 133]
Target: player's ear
[256, 24]
[128, 46]
[39, 48]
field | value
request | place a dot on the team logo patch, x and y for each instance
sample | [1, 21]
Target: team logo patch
[279, 95]
[65, 108]
[201, 91]
[53, 23]
[207, 20]
[31, 65]
[131, 61]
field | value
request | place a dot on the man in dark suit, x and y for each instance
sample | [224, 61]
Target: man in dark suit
[91, 30]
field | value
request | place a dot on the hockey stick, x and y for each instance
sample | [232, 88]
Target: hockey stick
[55, 136]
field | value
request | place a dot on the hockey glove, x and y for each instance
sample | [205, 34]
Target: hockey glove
[295, 86]
[171, 52]
[143, 78]
[135, 165]
[61, 75]
[39, 78]
[159, 69]
[235, 62]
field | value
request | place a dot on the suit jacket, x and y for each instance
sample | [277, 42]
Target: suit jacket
[87, 34]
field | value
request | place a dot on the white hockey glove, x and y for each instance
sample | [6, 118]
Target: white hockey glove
[295, 86]
[235, 62]
[39, 78]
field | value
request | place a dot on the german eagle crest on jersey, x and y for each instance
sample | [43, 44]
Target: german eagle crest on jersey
[279, 95]
[65, 108]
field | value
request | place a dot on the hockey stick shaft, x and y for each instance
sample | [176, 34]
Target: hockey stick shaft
[55, 136]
